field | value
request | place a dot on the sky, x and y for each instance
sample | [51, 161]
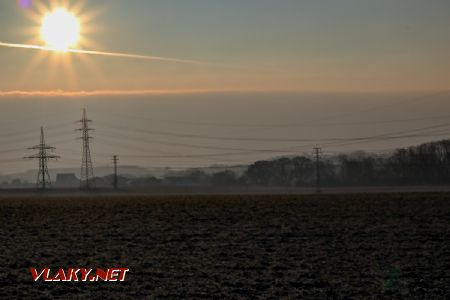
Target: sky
[239, 71]
[346, 45]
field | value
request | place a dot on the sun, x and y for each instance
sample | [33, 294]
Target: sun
[60, 29]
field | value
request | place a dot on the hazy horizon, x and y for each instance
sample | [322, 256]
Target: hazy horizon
[199, 130]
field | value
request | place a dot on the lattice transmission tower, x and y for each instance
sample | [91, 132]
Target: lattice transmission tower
[43, 156]
[115, 160]
[317, 154]
[87, 170]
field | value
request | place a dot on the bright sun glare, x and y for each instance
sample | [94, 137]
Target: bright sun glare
[60, 29]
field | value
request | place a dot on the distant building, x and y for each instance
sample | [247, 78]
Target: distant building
[67, 180]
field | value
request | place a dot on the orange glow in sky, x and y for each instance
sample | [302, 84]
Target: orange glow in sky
[60, 29]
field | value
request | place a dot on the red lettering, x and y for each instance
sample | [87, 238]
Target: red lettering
[79, 274]
[46, 276]
[123, 272]
[60, 275]
[113, 274]
[102, 274]
[35, 274]
[85, 273]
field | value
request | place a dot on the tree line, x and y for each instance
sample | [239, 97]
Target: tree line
[424, 164]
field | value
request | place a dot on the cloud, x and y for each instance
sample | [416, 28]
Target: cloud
[100, 93]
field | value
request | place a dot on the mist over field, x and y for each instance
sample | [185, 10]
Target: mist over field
[193, 125]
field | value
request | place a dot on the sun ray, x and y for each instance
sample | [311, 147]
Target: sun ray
[40, 9]
[58, 26]
[35, 62]
[69, 71]
[60, 36]
[77, 7]
[93, 68]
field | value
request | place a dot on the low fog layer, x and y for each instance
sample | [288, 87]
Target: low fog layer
[194, 130]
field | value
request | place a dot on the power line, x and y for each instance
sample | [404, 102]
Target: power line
[394, 135]
[392, 104]
[185, 145]
[159, 154]
[306, 123]
[334, 141]
[10, 160]
[254, 139]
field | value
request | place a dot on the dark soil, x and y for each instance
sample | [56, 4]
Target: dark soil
[387, 246]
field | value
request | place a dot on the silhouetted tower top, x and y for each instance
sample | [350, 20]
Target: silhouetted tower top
[87, 170]
[43, 156]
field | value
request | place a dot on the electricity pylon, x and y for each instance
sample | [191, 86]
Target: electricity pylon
[317, 154]
[87, 170]
[115, 160]
[43, 178]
